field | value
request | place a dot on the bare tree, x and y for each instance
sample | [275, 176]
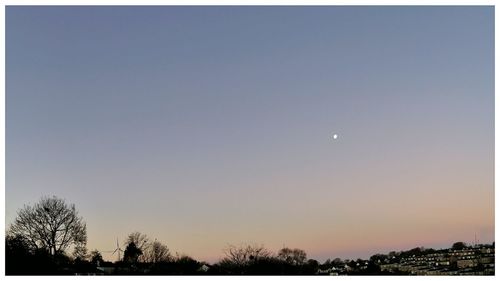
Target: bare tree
[50, 224]
[245, 254]
[141, 242]
[132, 253]
[292, 256]
[96, 258]
[150, 251]
[80, 252]
[157, 252]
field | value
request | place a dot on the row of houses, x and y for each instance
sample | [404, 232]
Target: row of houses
[478, 260]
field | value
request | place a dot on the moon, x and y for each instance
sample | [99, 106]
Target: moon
[335, 136]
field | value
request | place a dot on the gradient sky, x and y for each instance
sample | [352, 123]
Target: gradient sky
[209, 126]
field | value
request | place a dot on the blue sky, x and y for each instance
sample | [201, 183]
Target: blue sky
[209, 126]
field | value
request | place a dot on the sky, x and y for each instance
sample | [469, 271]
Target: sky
[205, 127]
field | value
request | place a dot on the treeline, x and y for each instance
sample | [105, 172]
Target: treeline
[49, 238]
[143, 256]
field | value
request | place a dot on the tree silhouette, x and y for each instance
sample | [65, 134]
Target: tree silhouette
[80, 252]
[292, 256]
[156, 252]
[245, 254]
[17, 252]
[96, 258]
[132, 253]
[50, 224]
[141, 242]
[458, 246]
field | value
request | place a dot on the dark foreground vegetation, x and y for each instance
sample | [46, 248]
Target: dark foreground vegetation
[49, 238]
